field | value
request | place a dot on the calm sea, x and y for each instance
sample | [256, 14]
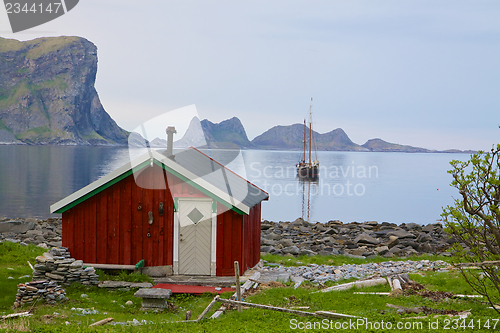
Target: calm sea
[393, 187]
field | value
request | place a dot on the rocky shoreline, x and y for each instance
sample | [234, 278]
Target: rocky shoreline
[355, 239]
[44, 233]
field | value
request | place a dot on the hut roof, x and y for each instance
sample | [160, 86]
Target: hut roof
[191, 166]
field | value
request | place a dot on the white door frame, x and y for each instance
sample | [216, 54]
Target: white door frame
[213, 252]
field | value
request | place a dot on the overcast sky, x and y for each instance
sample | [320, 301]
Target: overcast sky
[424, 73]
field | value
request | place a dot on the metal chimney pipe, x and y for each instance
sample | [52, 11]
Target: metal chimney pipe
[170, 140]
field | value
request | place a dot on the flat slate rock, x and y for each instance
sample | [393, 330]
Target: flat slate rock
[153, 293]
[401, 234]
[366, 239]
[124, 284]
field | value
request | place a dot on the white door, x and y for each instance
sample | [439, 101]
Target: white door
[195, 233]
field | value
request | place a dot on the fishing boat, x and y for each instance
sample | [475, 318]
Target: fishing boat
[308, 169]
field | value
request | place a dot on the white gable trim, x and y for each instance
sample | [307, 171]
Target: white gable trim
[150, 156]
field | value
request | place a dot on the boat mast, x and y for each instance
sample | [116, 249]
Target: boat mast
[304, 159]
[310, 129]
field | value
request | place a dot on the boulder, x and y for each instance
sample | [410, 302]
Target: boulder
[366, 239]
[265, 241]
[267, 249]
[381, 250]
[265, 226]
[393, 241]
[428, 228]
[424, 237]
[307, 252]
[291, 249]
[331, 231]
[401, 234]
[286, 242]
[273, 236]
[426, 248]
[16, 226]
[299, 222]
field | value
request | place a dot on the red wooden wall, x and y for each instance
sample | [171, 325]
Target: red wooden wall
[108, 228]
[238, 239]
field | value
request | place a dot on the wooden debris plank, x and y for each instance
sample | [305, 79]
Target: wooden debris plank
[244, 288]
[15, 315]
[371, 293]
[101, 322]
[332, 315]
[365, 283]
[204, 313]
[267, 307]
[111, 266]
[322, 314]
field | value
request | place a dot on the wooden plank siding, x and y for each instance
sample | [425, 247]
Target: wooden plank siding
[112, 226]
[238, 239]
[108, 228]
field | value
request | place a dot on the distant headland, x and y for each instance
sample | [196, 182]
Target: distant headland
[47, 97]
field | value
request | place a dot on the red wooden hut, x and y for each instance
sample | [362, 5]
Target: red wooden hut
[185, 213]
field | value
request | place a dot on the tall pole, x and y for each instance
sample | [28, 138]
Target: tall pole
[304, 159]
[310, 129]
[238, 286]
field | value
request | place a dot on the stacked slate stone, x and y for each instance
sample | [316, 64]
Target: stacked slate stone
[39, 290]
[57, 265]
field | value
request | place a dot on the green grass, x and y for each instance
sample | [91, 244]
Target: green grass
[3, 127]
[47, 45]
[14, 263]
[93, 136]
[123, 276]
[10, 45]
[37, 132]
[52, 318]
[58, 82]
[340, 259]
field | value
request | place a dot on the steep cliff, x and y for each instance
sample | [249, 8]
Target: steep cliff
[229, 133]
[47, 94]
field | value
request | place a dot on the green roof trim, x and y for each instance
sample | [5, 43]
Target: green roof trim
[102, 187]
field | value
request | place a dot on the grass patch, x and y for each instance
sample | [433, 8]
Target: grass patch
[57, 82]
[3, 127]
[43, 46]
[340, 259]
[123, 276]
[103, 304]
[7, 45]
[13, 266]
[93, 136]
[14, 94]
[37, 132]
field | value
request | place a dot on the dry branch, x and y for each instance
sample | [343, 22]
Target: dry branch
[365, 283]
[244, 288]
[102, 322]
[322, 314]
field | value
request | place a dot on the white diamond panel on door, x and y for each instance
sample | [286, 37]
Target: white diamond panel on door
[195, 219]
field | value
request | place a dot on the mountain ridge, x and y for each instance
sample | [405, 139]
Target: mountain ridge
[286, 137]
